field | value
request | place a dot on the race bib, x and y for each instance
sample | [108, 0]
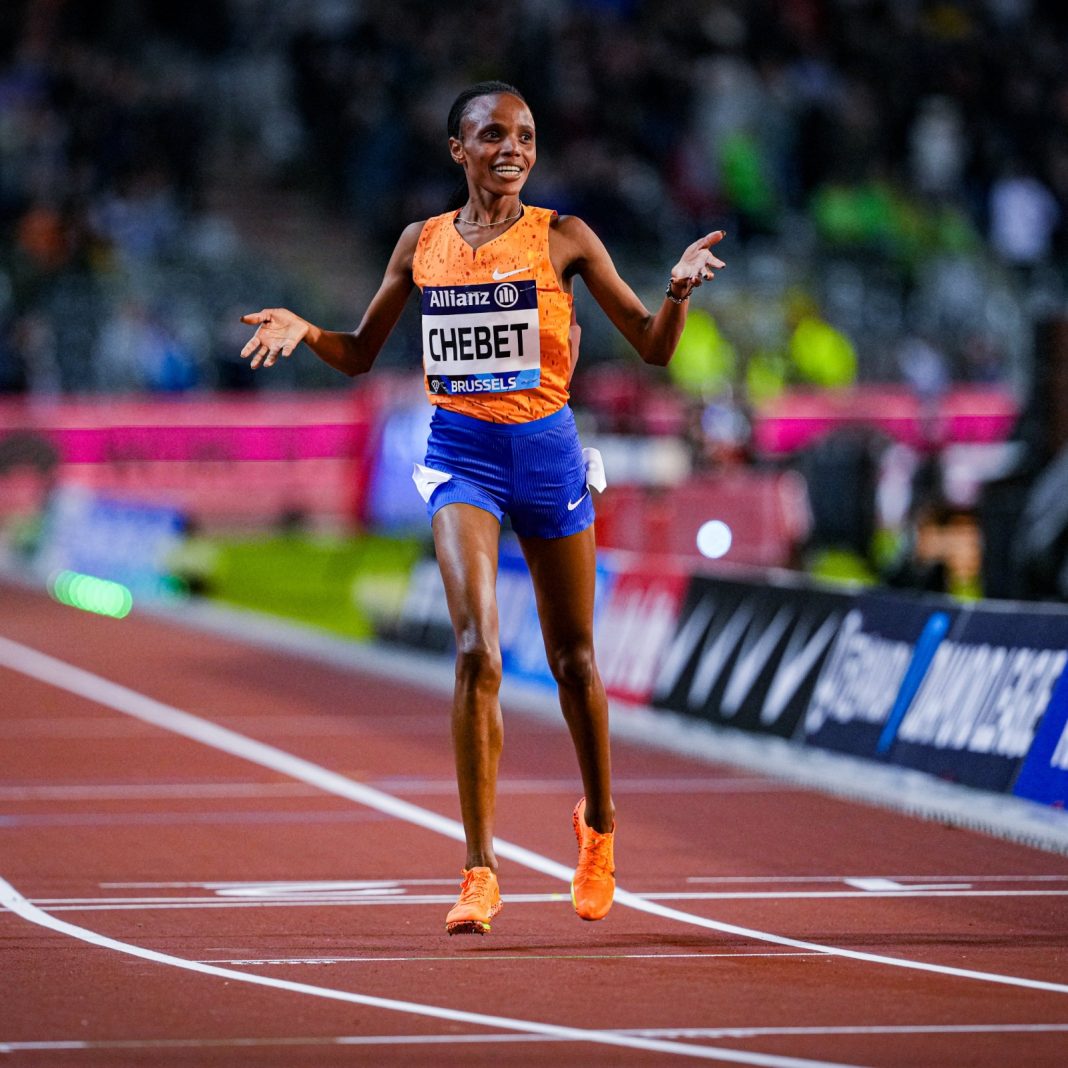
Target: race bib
[481, 338]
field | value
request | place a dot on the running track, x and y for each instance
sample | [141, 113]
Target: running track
[218, 853]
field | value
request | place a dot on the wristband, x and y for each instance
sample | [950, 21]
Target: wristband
[676, 300]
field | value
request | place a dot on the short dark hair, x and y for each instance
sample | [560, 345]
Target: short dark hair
[472, 92]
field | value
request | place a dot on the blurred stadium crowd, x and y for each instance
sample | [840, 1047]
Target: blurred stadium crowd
[895, 173]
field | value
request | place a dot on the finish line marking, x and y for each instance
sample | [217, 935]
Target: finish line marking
[54, 672]
[11, 899]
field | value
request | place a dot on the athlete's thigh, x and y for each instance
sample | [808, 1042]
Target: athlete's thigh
[466, 540]
[564, 571]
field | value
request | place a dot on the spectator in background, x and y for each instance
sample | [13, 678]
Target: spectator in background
[937, 147]
[138, 351]
[1023, 217]
[884, 125]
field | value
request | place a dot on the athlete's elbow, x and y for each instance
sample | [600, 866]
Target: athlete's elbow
[657, 357]
[354, 370]
[356, 360]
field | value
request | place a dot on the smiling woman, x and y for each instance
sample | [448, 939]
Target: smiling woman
[500, 343]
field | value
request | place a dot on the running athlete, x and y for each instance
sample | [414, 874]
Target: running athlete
[499, 344]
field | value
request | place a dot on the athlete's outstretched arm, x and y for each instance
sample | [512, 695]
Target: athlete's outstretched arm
[279, 331]
[654, 336]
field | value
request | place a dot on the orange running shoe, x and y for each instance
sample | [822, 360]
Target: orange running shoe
[593, 884]
[480, 901]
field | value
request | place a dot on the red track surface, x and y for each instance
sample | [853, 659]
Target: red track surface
[121, 828]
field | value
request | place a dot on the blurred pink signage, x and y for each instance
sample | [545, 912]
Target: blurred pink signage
[965, 414]
[222, 460]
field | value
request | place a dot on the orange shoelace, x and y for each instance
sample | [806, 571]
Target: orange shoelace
[596, 860]
[474, 886]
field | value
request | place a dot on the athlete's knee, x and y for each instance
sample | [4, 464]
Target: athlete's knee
[574, 666]
[478, 661]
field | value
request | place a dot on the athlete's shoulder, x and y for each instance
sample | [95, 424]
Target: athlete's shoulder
[571, 227]
[574, 237]
[405, 249]
[410, 234]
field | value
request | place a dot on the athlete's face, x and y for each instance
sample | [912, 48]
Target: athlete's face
[496, 144]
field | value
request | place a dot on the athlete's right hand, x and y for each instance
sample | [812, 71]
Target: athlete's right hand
[278, 333]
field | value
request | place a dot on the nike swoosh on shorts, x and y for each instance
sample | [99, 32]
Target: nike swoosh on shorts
[499, 276]
[572, 505]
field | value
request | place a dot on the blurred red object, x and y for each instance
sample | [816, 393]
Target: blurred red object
[767, 513]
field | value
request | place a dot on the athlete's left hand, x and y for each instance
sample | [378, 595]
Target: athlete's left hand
[696, 265]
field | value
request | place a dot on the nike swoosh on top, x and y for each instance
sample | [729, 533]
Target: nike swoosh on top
[572, 505]
[500, 277]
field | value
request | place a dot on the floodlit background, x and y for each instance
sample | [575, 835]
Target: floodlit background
[875, 389]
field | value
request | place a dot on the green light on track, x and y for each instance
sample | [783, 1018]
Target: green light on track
[91, 594]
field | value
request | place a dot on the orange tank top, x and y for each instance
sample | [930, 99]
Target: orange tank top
[495, 320]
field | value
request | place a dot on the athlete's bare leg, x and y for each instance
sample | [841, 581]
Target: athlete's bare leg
[466, 540]
[564, 573]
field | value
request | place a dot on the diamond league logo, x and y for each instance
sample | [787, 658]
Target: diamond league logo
[435, 385]
[506, 295]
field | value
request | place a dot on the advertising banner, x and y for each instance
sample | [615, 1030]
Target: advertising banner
[124, 541]
[392, 503]
[424, 617]
[636, 606]
[225, 462]
[1044, 775]
[975, 714]
[748, 656]
[522, 648]
[876, 664]
[635, 624]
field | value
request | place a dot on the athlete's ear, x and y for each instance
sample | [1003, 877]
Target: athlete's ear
[456, 150]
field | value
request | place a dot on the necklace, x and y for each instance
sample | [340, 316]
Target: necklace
[500, 222]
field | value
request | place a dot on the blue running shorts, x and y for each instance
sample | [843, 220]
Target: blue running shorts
[532, 472]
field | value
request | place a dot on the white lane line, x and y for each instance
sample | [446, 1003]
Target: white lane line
[281, 886]
[11, 899]
[859, 1029]
[490, 957]
[860, 895]
[398, 897]
[92, 687]
[255, 1043]
[450, 1039]
[154, 791]
[903, 879]
[284, 886]
[164, 791]
[400, 784]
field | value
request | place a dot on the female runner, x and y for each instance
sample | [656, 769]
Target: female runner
[499, 344]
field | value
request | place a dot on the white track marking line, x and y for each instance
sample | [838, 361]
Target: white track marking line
[858, 1029]
[163, 791]
[281, 886]
[490, 957]
[397, 897]
[11, 899]
[861, 895]
[394, 1040]
[92, 687]
[255, 1043]
[288, 886]
[826, 879]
